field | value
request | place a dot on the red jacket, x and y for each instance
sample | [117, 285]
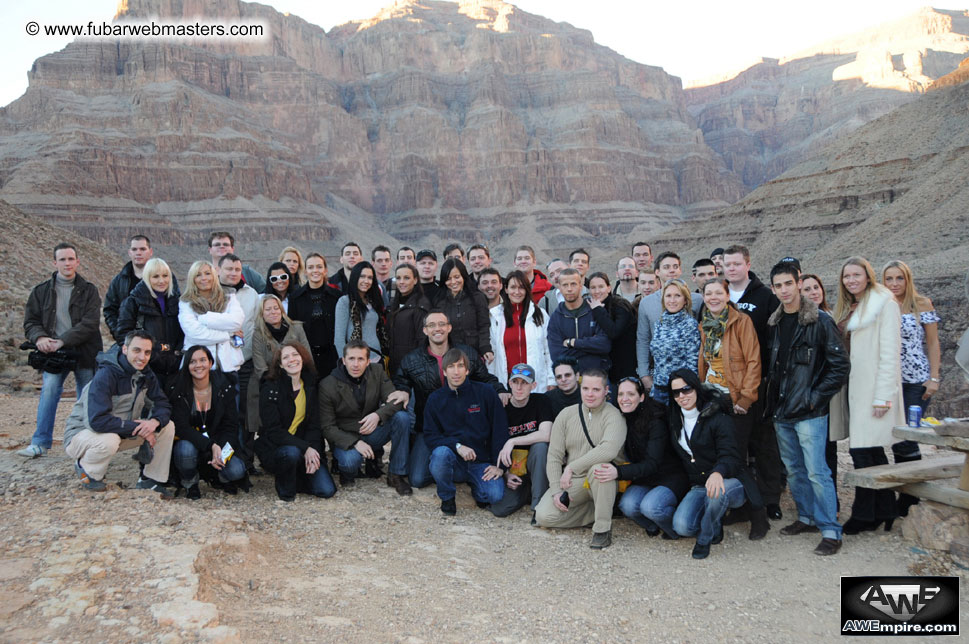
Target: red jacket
[540, 286]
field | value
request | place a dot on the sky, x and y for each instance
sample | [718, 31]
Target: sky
[694, 40]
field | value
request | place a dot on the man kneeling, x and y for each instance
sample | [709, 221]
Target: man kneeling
[355, 418]
[583, 437]
[123, 407]
[465, 427]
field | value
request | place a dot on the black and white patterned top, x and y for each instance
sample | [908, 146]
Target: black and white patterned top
[915, 364]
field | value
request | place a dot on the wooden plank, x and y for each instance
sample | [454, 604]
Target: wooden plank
[938, 493]
[883, 477]
[929, 437]
[952, 429]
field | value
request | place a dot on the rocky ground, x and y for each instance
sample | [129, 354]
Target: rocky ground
[367, 565]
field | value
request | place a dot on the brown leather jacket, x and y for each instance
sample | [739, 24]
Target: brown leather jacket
[740, 351]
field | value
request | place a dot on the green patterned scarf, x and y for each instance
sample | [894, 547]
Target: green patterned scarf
[713, 327]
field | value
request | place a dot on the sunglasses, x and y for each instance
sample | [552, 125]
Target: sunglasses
[682, 391]
[278, 278]
[520, 371]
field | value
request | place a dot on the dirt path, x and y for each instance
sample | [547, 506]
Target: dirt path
[369, 566]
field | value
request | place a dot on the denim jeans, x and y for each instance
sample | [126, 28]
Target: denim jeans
[50, 395]
[533, 486]
[397, 431]
[185, 458]
[448, 468]
[288, 465]
[418, 462]
[700, 515]
[650, 507]
[802, 444]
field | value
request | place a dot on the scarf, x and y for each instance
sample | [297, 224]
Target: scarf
[356, 319]
[713, 328]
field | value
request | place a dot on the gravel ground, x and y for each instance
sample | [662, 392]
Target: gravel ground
[370, 566]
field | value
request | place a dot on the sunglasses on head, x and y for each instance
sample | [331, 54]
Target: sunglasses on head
[521, 371]
[682, 391]
[278, 278]
[634, 381]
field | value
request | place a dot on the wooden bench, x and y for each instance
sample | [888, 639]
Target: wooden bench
[922, 478]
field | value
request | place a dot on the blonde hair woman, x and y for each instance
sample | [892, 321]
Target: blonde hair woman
[869, 318]
[210, 318]
[676, 338]
[273, 328]
[921, 356]
[293, 258]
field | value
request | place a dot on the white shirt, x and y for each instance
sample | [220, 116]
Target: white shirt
[690, 417]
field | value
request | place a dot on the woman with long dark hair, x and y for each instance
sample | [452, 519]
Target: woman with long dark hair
[813, 289]
[290, 440]
[870, 320]
[617, 318]
[152, 306]
[360, 314]
[405, 316]
[519, 334]
[657, 479]
[466, 308]
[280, 282]
[704, 437]
[204, 413]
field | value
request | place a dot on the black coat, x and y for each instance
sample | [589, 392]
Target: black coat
[277, 406]
[713, 443]
[469, 318]
[418, 371]
[817, 365]
[140, 310]
[405, 327]
[121, 287]
[652, 460]
[84, 338]
[221, 421]
[758, 302]
[619, 324]
[318, 325]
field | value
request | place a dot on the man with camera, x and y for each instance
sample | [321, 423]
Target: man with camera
[62, 318]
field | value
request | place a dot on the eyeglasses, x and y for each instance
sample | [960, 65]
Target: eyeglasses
[563, 376]
[278, 278]
[682, 391]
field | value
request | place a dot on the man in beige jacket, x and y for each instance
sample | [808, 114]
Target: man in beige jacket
[576, 448]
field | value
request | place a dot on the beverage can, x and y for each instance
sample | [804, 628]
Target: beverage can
[914, 416]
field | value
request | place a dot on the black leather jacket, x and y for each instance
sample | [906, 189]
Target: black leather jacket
[817, 365]
[418, 371]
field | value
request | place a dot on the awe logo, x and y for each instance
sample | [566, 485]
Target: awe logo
[900, 601]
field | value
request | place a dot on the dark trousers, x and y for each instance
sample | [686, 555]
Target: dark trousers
[246, 438]
[831, 458]
[905, 451]
[290, 469]
[756, 437]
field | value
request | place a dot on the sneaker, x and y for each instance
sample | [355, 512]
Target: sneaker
[717, 538]
[774, 511]
[798, 527]
[144, 454]
[194, 493]
[31, 451]
[86, 481]
[601, 540]
[828, 547]
[449, 507]
[400, 484]
[701, 551]
[145, 483]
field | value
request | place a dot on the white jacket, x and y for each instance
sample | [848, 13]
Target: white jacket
[876, 374]
[213, 330]
[249, 300]
[536, 348]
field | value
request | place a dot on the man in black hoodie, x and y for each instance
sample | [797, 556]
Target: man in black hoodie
[756, 300]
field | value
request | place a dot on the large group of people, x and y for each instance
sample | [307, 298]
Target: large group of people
[582, 396]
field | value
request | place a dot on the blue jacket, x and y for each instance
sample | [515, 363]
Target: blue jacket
[592, 345]
[117, 398]
[471, 415]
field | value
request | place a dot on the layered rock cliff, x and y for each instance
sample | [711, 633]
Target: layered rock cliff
[429, 115]
[778, 112]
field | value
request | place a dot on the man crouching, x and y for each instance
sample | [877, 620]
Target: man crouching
[123, 407]
[583, 437]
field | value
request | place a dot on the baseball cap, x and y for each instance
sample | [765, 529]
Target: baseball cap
[716, 251]
[524, 372]
[426, 253]
[792, 260]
